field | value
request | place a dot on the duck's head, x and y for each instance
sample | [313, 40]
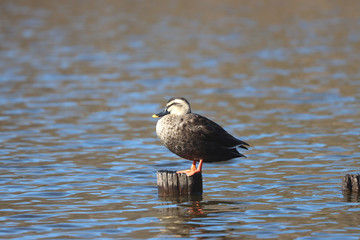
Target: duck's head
[176, 106]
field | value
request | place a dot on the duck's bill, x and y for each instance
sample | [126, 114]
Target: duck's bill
[160, 114]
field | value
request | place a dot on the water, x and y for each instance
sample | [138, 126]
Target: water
[79, 83]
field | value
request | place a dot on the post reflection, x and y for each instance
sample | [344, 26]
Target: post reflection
[184, 216]
[350, 196]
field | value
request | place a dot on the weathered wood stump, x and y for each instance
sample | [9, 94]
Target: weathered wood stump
[171, 184]
[350, 182]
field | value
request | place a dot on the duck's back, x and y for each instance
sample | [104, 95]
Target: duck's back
[194, 137]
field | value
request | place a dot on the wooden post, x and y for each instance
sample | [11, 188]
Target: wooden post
[171, 183]
[350, 182]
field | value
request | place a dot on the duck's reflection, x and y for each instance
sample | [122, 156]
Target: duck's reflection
[184, 216]
[182, 206]
[195, 209]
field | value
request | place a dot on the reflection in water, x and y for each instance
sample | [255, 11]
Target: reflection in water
[182, 199]
[175, 214]
[184, 216]
[351, 196]
[79, 83]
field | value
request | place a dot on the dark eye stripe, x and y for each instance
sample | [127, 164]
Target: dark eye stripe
[172, 105]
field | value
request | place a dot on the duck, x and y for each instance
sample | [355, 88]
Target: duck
[194, 137]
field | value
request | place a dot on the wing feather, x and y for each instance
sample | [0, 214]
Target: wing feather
[213, 132]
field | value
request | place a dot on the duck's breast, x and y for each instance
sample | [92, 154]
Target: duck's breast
[166, 128]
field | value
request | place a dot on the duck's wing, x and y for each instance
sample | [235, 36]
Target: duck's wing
[213, 132]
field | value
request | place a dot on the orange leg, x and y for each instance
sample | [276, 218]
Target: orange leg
[193, 169]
